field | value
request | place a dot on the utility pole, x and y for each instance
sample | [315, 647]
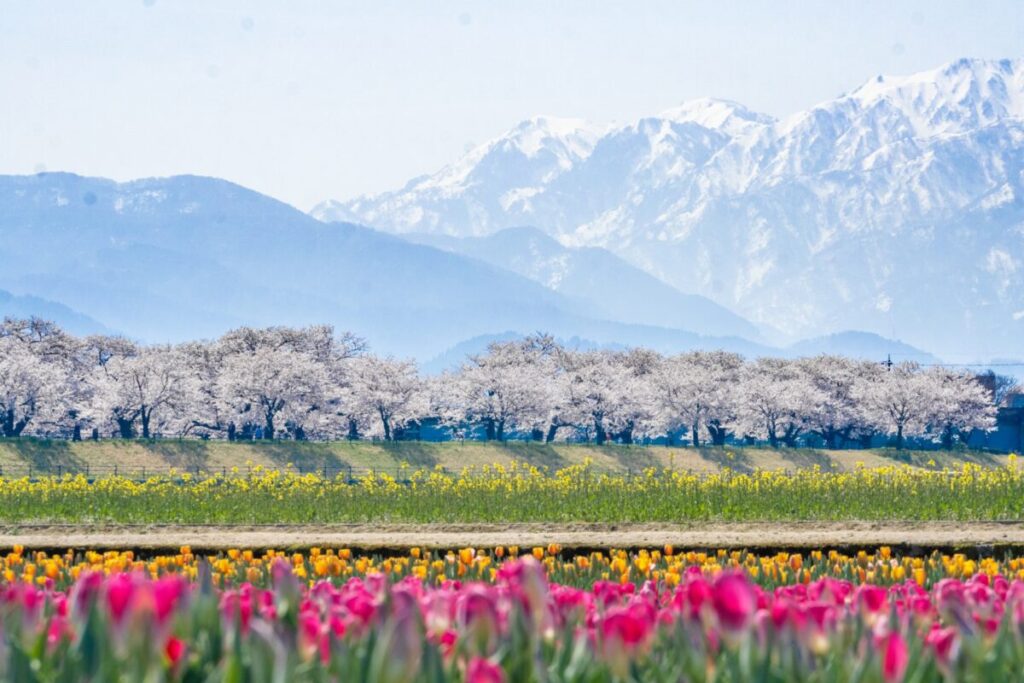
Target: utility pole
[888, 362]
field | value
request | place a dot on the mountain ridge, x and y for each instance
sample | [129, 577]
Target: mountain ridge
[825, 220]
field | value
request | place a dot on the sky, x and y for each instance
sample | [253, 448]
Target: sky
[307, 101]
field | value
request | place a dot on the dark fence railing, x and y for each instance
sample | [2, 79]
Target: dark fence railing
[141, 473]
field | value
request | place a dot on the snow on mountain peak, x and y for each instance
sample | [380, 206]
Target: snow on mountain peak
[897, 203]
[550, 145]
[961, 95]
[576, 135]
[726, 116]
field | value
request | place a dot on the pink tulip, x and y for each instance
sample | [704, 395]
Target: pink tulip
[85, 590]
[625, 633]
[477, 614]
[448, 640]
[167, 595]
[484, 671]
[734, 601]
[57, 631]
[120, 593]
[526, 579]
[872, 598]
[945, 643]
[895, 657]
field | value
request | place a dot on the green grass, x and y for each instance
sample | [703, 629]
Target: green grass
[20, 456]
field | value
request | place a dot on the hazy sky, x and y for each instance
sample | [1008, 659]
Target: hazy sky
[334, 99]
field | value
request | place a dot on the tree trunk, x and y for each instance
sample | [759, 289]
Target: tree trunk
[126, 428]
[718, 433]
[600, 436]
[489, 430]
[500, 432]
[536, 434]
[19, 426]
[695, 434]
[626, 435]
[773, 439]
[353, 430]
[552, 431]
[386, 423]
[8, 424]
[76, 433]
[300, 434]
[231, 431]
[95, 434]
[899, 437]
[268, 428]
[144, 415]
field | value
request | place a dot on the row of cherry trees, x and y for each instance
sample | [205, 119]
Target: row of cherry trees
[312, 383]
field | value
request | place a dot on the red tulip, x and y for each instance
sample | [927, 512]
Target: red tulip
[174, 650]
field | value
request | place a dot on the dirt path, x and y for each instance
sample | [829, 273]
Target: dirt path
[369, 537]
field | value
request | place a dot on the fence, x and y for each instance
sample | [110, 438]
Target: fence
[140, 473]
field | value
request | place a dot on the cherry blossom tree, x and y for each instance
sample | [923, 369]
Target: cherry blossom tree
[699, 390]
[896, 399]
[959, 405]
[37, 382]
[145, 393]
[387, 392]
[507, 388]
[776, 397]
[30, 388]
[835, 416]
[598, 384]
[270, 386]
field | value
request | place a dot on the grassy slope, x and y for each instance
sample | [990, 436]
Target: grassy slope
[131, 456]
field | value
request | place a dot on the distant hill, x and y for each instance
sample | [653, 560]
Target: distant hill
[860, 345]
[12, 306]
[605, 283]
[169, 259]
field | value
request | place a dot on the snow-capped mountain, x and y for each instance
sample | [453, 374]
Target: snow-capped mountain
[500, 176]
[897, 208]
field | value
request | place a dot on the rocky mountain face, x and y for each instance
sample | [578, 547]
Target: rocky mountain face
[897, 208]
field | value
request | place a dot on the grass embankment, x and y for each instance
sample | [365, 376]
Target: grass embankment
[19, 457]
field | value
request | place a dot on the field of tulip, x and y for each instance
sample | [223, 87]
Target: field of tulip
[516, 493]
[486, 616]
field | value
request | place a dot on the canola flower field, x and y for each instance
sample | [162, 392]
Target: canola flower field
[502, 615]
[517, 493]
